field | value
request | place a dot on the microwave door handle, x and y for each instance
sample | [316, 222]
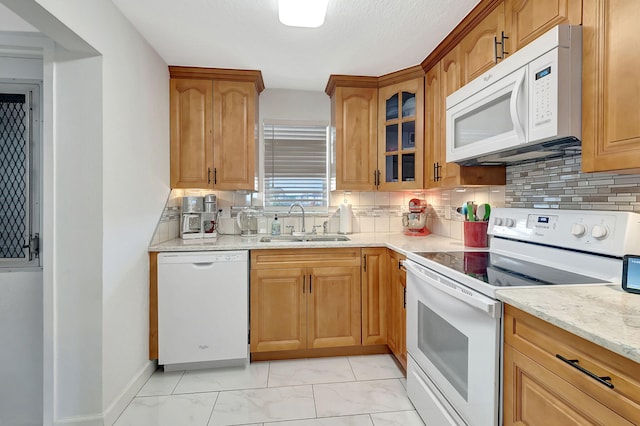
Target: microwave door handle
[513, 107]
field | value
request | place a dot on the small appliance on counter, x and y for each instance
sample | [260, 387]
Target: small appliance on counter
[414, 223]
[199, 217]
[248, 222]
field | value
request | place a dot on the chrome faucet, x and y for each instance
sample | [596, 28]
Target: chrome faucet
[302, 210]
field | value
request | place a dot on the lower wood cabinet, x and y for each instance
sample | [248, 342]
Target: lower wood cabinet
[374, 296]
[542, 389]
[305, 299]
[397, 308]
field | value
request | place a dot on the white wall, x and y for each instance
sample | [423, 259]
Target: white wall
[20, 310]
[21, 352]
[111, 177]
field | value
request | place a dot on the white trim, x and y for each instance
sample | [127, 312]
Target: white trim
[81, 421]
[121, 402]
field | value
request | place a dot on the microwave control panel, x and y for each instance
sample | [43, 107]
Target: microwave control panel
[542, 90]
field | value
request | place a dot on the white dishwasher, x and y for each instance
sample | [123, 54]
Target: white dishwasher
[203, 309]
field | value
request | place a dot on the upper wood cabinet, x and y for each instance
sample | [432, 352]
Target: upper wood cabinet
[235, 136]
[610, 87]
[440, 81]
[400, 135]
[214, 134]
[354, 124]
[527, 20]
[191, 123]
[377, 131]
[478, 48]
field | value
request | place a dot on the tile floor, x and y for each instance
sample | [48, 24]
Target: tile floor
[365, 390]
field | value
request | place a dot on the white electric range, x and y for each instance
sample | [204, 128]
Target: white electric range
[454, 321]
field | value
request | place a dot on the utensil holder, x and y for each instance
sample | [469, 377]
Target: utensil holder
[475, 234]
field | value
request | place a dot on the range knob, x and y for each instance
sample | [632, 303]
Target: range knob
[578, 229]
[599, 232]
[509, 223]
[497, 221]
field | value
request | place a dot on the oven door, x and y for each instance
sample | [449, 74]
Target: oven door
[454, 335]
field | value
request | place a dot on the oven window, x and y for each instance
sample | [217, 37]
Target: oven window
[445, 346]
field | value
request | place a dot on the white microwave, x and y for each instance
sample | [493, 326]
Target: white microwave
[525, 108]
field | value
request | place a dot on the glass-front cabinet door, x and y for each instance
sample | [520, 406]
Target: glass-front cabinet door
[400, 133]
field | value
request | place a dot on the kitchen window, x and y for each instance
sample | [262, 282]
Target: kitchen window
[19, 172]
[295, 165]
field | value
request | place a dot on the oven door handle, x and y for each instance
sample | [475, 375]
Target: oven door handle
[455, 290]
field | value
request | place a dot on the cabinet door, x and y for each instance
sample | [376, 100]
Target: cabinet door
[527, 20]
[396, 328]
[478, 47]
[535, 396]
[191, 123]
[610, 87]
[235, 135]
[374, 296]
[333, 318]
[355, 114]
[433, 110]
[278, 309]
[401, 135]
[450, 80]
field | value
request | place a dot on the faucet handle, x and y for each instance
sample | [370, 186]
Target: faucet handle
[325, 224]
[291, 228]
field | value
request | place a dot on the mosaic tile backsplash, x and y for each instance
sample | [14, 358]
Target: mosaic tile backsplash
[559, 184]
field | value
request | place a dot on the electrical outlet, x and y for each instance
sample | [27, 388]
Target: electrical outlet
[447, 212]
[226, 213]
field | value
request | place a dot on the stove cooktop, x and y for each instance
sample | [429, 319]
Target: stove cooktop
[502, 271]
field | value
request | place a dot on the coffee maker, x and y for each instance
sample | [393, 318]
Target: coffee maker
[199, 217]
[414, 223]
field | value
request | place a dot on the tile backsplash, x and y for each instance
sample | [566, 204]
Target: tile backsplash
[554, 184]
[372, 211]
[559, 184]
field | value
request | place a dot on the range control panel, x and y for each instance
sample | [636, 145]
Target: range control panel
[604, 232]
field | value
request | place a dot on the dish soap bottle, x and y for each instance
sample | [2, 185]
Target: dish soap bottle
[275, 226]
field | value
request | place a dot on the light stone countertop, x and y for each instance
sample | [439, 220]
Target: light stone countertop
[394, 240]
[605, 314]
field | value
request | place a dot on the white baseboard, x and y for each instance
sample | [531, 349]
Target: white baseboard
[121, 402]
[96, 420]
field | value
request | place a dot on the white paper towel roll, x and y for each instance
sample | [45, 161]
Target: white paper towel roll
[345, 219]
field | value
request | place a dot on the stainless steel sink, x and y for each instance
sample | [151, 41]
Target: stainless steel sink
[303, 238]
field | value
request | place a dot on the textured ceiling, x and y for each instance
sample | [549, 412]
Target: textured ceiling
[359, 37]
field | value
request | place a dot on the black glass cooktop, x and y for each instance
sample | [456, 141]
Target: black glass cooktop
[503, 271]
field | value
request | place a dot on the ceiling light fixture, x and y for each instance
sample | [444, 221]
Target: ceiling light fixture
[302, 13]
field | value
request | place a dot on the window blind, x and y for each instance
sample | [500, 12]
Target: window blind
[295, 165]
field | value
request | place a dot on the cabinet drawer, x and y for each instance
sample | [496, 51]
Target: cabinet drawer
[535, 396]
[279, 258]
[542, 341]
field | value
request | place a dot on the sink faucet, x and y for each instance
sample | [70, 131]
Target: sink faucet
[302, 210]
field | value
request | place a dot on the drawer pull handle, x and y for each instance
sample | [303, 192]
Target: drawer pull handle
[574, 363]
